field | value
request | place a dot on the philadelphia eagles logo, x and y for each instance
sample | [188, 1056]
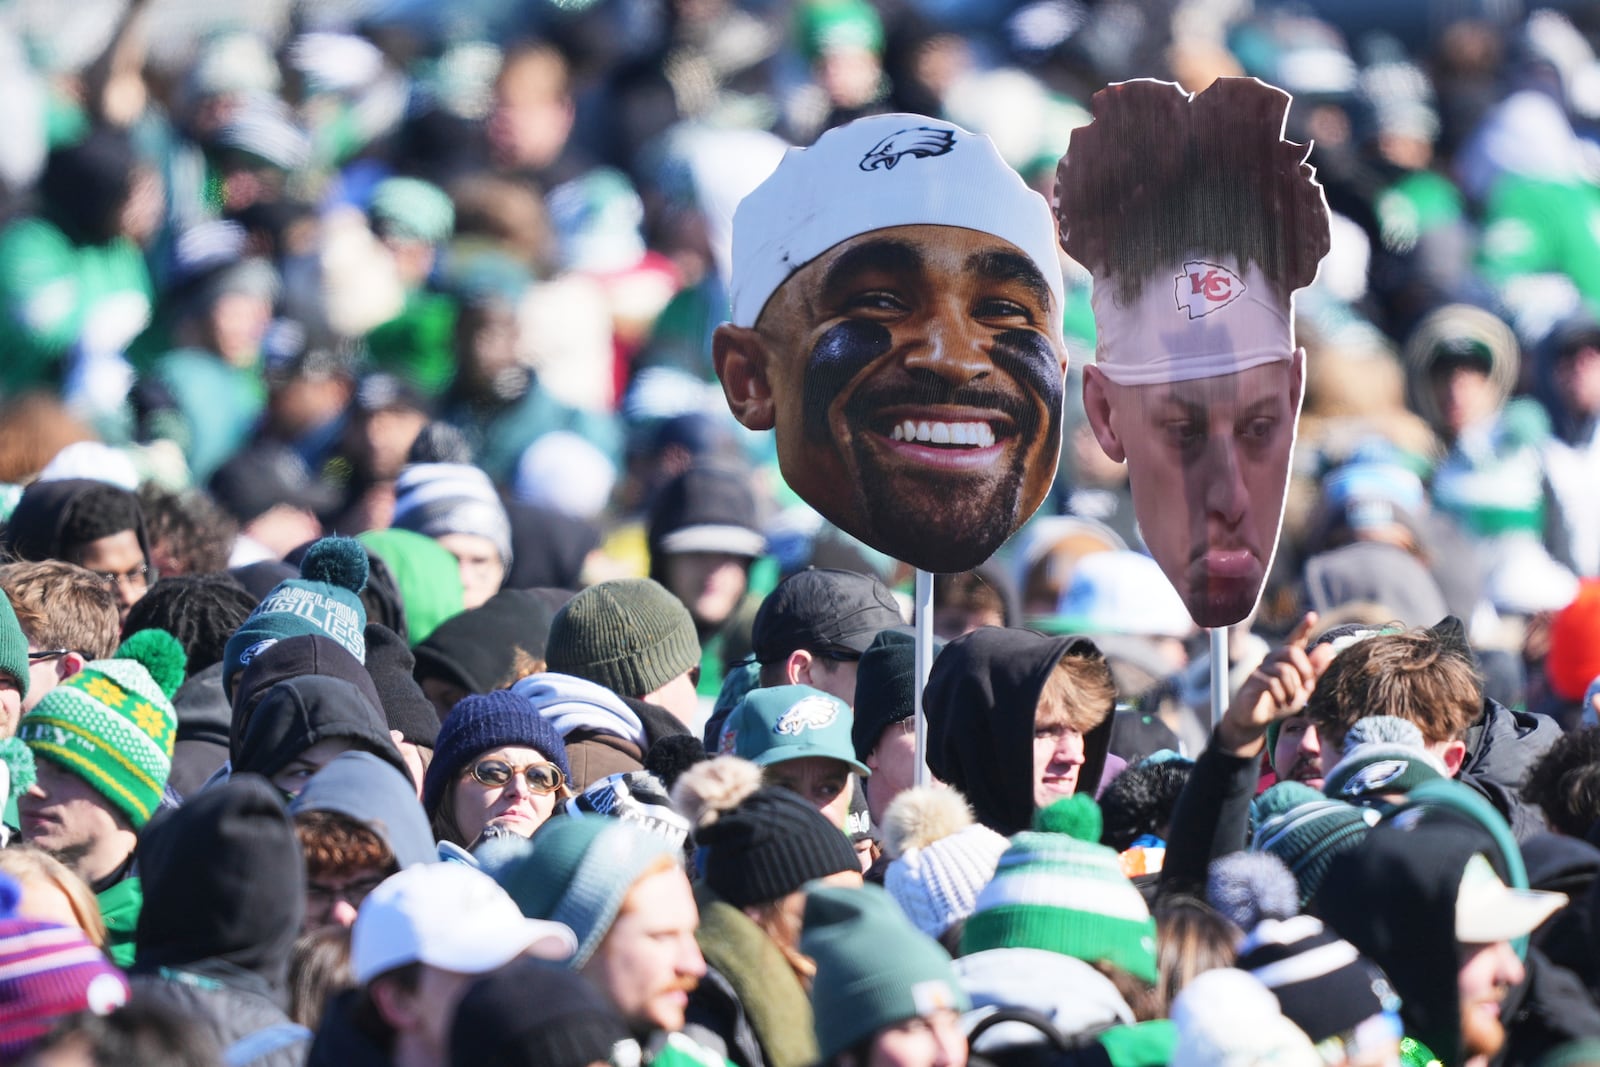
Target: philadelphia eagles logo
[812, 713]
[919, 141]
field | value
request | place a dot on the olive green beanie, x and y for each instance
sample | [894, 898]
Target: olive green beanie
[630, 635]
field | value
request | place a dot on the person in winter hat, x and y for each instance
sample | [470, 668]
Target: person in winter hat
[885, 991]
[1427, 897]
[214, 938]
[1017, 719]
[324, 600]
[1058, 893]
[634, 637]
[102, 746]
[498, 764]
[358, 822]
[623, 891]
[759, 847]
[47, 972]
[939, 859]
[457, 506]
[1384, 758]
[883, 731]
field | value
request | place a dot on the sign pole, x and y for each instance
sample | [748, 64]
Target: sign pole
[923, 616]
[1219, 673]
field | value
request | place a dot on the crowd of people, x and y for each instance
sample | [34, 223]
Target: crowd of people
[407, 658]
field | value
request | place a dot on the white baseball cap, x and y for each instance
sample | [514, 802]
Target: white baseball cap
[1489, 911]
[872, 174]
[450, 916]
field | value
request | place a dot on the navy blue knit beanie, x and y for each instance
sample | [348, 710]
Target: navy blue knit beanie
[480, 723]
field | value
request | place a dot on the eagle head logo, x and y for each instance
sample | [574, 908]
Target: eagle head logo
[920, 141]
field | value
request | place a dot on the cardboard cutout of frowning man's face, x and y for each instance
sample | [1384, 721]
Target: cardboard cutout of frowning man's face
[1199, 222]
[897, 320]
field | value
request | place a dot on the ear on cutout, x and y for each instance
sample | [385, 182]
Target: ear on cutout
[1097, 406]
[740, 357]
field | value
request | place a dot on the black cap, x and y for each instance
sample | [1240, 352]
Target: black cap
[828, 612]
[263, 476]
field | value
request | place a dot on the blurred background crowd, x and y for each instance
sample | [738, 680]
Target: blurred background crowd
[299, 268]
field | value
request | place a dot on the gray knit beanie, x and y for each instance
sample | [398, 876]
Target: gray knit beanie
[630, 635]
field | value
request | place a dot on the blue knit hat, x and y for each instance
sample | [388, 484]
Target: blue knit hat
[325, 599]
[482, 722]
[579, 871]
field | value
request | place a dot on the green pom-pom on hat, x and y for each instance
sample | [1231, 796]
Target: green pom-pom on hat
[340, 561]
[1077, 816]
[160, 654]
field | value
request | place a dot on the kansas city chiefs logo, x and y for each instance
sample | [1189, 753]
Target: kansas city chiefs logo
[812, 713]
[919, 141]
[1206, 287]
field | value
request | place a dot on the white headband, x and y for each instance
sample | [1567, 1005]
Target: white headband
[874, 173]
[1200, 319]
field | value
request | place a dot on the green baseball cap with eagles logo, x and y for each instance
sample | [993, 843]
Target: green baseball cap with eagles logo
[789, 722]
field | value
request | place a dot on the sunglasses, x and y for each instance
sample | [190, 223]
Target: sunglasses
[497, 773]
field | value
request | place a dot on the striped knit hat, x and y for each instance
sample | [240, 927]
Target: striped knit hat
[46, 972]
[1057, 889]
[435, 499]
[112, 723]
[1306, 831]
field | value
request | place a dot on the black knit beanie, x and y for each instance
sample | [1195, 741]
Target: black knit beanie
[770, 845]
[630, 635]
[531, 1013]
[884, 682]
[404, 706]
[477, 649]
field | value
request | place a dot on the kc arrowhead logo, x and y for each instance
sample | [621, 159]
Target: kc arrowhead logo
[1206, 287]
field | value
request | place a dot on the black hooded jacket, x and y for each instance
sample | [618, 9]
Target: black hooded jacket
[224, 891]
[34, 530]
[1501, 748]
[980, 702]
[297, 714]
[293, 657]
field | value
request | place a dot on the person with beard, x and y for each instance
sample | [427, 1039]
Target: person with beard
[102, 745]
[623, 891]
[1425, 896]
[1199, 222]
[1017, 720]
[904, 343]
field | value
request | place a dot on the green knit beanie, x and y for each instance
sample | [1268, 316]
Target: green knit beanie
[1058, 889]
[874, 969]
[13, 647]
[579, 871]
[112, 723]
[1306, 831]
[630, 635]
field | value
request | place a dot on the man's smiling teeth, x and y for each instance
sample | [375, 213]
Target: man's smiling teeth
[973, 434]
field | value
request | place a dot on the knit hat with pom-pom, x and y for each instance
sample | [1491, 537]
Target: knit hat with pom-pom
[325, 599]
[112, 723]
[757, 844]
[1306, 831]
[941, 858]
[1058, 889]
[1247, 887]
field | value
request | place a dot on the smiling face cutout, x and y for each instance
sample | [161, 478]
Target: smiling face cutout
[897, 303]
[914, 377]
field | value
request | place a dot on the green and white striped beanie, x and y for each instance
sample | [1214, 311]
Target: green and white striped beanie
[1058, 889]
[112, 724]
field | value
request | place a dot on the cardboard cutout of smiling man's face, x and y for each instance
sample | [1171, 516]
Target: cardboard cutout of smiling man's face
[1198, 223]
[912, 365]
